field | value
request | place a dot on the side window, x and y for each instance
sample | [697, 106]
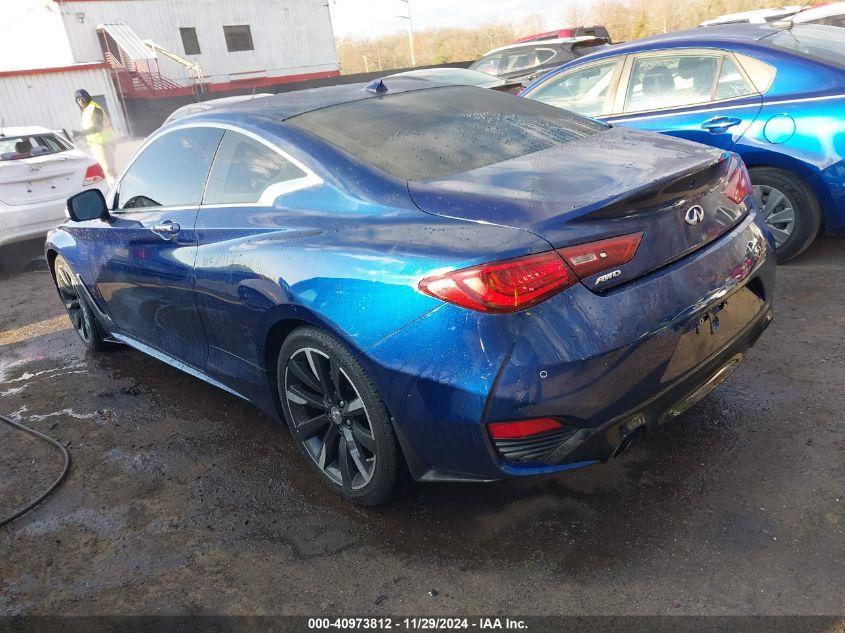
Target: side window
[171, 171]
[244, 169]
[489, 64]
[668, 81]
[520, 59]
[583, 90]
[732, 83]
[761, 74]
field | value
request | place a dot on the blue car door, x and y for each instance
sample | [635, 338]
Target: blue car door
[702, 95]
[143, 256]
[242, 231]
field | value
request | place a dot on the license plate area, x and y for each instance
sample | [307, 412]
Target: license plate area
[712, 330]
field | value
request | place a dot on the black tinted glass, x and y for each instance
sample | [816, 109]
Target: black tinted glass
[244, 169]
[190, 42]
[171, 171]
[238, 38]
[434, 133]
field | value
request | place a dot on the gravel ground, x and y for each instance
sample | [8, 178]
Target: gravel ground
[182, 499]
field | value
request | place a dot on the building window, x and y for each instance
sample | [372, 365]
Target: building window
[238, 38]
[190, 43]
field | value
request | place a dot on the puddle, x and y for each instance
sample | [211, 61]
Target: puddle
[18, 416]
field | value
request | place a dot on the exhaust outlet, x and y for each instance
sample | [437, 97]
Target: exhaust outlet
[635, 431]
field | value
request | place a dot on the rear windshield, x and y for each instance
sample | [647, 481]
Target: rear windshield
[439, 132]
[19, 147]
[824, 43]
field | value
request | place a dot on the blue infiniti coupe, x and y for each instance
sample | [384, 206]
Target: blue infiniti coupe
[426, 281]
[774, 95]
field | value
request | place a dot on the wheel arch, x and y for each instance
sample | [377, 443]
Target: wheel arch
[808, 175]
[279, 325]
[51, 255]
[281, 328]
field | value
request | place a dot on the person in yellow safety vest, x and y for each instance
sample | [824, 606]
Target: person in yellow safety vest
[97, 130]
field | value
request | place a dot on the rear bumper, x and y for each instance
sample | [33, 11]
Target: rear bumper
[31, 221]
[604, 364]
[20, 223]
[590, 445]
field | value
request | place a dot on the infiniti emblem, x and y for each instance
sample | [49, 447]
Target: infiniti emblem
[694, 215]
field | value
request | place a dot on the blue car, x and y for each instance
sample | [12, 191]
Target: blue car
[775, 96]
[426, 281]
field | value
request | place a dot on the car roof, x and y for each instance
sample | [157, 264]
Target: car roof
[822, 11]
[702, 36]
[287, 105]
[24, 131]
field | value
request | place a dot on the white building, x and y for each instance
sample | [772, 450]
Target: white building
[128, 50]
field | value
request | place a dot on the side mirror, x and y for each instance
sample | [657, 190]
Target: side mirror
[87, 205]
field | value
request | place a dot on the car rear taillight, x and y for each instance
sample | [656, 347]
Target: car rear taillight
[522, 428]
[93, 174]
[516, 284]
[595, 257]
[739, 182]
[503, 286]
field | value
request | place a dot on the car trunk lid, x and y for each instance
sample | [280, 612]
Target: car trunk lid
[41, 178]
[614, 183]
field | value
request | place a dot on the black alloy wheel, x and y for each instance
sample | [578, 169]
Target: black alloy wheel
[330, 418]
[77, 309]
[337, 417]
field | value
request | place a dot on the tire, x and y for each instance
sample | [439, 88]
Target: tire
[81, 316]
[796, 230]
[345, 433]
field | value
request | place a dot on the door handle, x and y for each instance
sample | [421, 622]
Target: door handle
[720, 124]
[167, 229]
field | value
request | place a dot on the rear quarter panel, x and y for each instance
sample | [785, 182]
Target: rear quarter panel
[805, 135]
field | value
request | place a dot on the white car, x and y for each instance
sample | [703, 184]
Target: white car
[758, 16]
[832, 14]
[39, 171]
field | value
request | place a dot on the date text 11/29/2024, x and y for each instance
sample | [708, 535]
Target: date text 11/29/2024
[417, 624]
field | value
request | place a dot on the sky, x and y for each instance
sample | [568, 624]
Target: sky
[379, 17]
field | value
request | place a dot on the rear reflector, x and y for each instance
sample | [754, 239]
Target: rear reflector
[93, 174]
[522, 428]
[739, 182]
[592, 258]
[503, 286]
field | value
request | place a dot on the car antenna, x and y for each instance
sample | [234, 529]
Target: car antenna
[790, 21]
[2, 125]
[376, 87]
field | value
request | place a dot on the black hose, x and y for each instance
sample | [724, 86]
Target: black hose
[49, 490]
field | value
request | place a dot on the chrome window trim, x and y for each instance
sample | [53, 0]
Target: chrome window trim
[268, 196]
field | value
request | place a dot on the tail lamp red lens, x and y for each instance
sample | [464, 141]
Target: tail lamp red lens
[595, 257]
[93, 174]
[522, 428]
[504, 286]
[739, 182]
[516, 284]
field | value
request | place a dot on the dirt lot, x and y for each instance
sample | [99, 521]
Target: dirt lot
[183, 499]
